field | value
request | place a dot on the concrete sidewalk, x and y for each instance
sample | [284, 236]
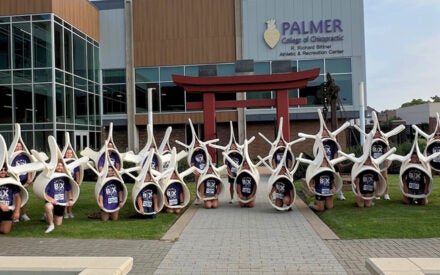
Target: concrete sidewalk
[260, 240]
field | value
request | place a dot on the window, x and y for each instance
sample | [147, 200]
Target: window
[23, 103]
[5, 104]
[114, 99]
[42, 44]
[21, 45]
[79, 56]
[167, 72]
[342, 65]
[311, 64]
[5, 49]
[142, 97]
[172, 97]
[43, 103]
[81, 114]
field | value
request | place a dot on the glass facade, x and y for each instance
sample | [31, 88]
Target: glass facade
[169, 98]
[49, 81]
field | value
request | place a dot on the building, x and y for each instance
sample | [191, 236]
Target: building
[425, 115]
[49, 71]
[140, 44]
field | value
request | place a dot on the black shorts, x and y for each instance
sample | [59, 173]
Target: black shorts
[320, 198]
[231, 179]
[6, 216]
[58, 210]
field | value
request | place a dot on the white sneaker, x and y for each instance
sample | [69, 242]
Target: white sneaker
[25, 218]
[197, 202]
[16, 220]
[377, 197]
[50, 228]
[71, 216]
[387, 197]
[341, 197]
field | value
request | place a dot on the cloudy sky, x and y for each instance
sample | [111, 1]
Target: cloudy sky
[402, 41]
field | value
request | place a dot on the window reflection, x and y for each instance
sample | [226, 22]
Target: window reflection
[23, 103]
[21, 45]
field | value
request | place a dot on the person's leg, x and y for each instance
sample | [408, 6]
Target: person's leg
[317, 206]
[58, 220]
[104, 216]
[251, 204]
[23, 215]
[207, 204]
[115, 215]
[385, 176]
[406, 200]
[279, 202]
[196, 180]
[423, 201]
[287, 200]
[329, 202]
[48, 210]
[341, 196]
[368, 203]
[5, 227]
[155, 203]
[231, 187]
[169, 210]
[360, 201]
[214, 204]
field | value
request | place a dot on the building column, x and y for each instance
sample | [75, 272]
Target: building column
[132, 133]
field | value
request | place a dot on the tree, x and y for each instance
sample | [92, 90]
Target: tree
[414, 102]
[435, 98]
[418, 101]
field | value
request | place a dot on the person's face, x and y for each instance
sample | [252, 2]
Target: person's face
[437, 135]
[414, 158]
[324, 163]
[110, 145]
[233, 146]
[3, 172]
[59, 167]
[324, 134]
[69, 154]
[19, 147]
[110, 172]
[377, 134]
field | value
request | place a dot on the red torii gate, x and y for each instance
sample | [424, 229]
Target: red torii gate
[209, 85]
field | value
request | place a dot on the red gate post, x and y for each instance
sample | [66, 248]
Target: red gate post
[282, 107]
[209, 123]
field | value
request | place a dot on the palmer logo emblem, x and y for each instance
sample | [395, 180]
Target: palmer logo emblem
[271, 34]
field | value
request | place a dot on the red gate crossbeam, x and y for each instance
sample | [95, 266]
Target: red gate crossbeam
[210, 85]
[227, 104]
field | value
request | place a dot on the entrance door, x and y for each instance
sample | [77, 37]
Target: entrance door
[81, 140]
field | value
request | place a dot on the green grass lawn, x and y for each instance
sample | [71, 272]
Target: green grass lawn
[386, 219]
[82, 227]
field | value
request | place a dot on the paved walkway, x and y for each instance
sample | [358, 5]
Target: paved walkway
[236, 241]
